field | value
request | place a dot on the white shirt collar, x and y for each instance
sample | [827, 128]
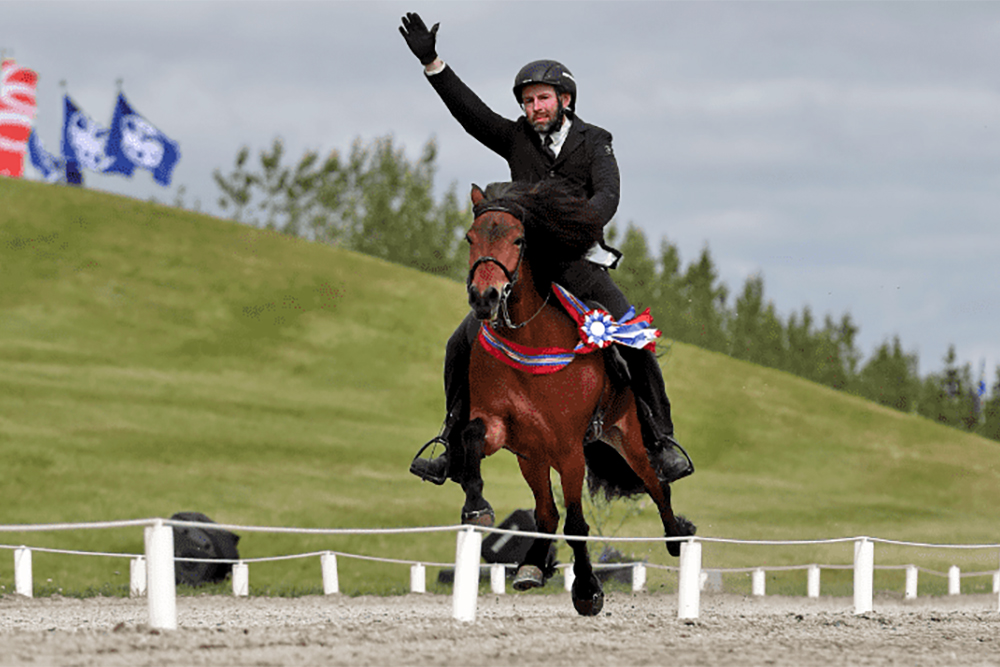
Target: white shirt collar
[559, 136]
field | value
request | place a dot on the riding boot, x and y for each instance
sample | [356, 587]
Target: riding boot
[668, 458]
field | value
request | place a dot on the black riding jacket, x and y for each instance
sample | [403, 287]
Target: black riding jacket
[586, 160]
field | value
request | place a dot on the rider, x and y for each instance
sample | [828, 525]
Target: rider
[549, 141]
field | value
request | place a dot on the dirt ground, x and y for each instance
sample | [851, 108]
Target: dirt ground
[633, 629]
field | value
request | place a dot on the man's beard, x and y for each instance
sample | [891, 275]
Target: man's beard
[553, 124]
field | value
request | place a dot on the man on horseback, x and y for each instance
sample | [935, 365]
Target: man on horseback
[548, 142]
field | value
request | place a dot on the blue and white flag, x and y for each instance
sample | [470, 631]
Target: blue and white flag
[134, 142]
[83, 140]
[48, 164]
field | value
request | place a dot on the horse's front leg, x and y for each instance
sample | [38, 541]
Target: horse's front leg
[476, 510]
[539, 563]
[587, 594]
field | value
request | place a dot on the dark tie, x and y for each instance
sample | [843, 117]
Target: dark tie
[547, 147]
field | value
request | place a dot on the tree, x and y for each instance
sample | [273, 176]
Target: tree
[705, 306]
[670, 299]
[745, 333]
[990, 427]
[949, 397]
[890, 377]
[237, 187]
[377, 202]
[636, 274]
[774, 339]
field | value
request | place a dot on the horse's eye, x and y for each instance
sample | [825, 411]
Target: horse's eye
[519, 241]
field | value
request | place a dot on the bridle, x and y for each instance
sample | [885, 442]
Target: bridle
[510, 275]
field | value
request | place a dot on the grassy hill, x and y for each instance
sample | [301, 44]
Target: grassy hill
[154, 360]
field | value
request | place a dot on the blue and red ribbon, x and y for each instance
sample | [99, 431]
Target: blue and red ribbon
[597, 330]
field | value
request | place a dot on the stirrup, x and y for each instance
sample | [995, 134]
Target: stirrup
[675, 472]
[430, 470]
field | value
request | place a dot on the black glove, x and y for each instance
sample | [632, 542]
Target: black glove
[419, 38]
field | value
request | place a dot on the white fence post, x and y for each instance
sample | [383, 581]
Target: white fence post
[418, 578]
[812, 581]
[331, 581]
[689, 580]
[22, 572]
[241, 579]
[864, 575]
[498, 578]
[954, 580]
[911, 582]
[996, 582]
[758, 582]
[160, 587]
[638, 577]
[468, 548]
[137, 577]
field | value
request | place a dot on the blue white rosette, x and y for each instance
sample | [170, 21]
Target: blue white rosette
[598, 329]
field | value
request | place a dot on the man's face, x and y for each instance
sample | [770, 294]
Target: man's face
[541, 105]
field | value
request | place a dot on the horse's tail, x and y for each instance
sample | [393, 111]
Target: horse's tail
[608, 473]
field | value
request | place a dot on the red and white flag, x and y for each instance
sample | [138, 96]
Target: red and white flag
[17, 110]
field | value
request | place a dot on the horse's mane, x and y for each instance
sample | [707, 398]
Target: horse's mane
[559, 226]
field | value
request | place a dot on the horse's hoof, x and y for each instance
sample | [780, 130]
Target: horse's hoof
[674, 549]
[528, 577]
[484, 518]
[589, 605]
[684, 527]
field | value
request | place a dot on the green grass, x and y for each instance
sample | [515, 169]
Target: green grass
[154, 360]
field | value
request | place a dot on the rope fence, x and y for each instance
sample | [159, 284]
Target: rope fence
[152, 572]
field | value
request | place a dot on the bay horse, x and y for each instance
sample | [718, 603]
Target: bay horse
[578, 420]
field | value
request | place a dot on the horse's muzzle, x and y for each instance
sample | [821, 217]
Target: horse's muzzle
[485, 305]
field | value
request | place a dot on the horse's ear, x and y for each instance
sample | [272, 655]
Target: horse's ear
[477, 194]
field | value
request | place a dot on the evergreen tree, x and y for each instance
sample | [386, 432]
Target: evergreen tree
[801, 345]
[745, 335]
[704, 311]
[670, 294]
[990, 426]
[773, 339]
[947, 397]
[890, 377]
[636, 274]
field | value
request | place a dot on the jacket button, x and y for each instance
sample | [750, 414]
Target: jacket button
[552, 174]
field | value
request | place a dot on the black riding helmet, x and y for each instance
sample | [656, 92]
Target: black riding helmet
[551, 72]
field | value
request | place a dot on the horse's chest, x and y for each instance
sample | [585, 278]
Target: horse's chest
[517, 406]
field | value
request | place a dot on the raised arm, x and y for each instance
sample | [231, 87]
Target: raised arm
[485, 125]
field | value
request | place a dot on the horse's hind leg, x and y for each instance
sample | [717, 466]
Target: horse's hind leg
[674, 525]
[538, 565]
[475, 510]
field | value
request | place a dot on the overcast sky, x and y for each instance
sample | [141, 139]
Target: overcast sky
[849, 152]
